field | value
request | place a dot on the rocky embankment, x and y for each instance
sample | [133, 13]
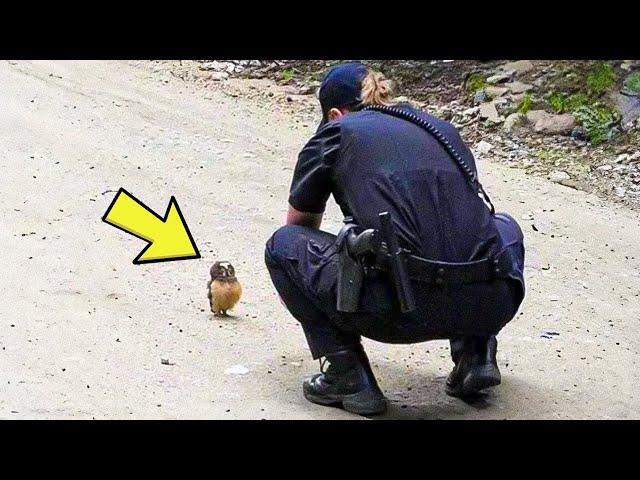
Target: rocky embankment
[575, 122]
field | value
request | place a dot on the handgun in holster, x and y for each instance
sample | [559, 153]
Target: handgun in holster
[353, 247]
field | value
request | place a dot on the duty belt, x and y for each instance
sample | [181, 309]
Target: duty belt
[379, 249]
[442, 273]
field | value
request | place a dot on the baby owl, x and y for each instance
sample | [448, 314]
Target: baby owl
[223, 289]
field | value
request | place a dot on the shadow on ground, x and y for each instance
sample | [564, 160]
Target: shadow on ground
[426, 400]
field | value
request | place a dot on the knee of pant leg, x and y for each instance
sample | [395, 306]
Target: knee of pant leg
[509, 228]
[278, 245]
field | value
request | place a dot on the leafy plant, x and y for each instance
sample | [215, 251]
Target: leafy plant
[632, 83]
[556, 100]
[562, 103]
[288, 74]
[602, 77]
[598, 122]
[525, 104]
[573, 102]
[475, 82]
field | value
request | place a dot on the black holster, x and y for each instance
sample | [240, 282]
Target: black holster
[354, 247]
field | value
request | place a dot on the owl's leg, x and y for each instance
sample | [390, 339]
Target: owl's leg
[224, 313]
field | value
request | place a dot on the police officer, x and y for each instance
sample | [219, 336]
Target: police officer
[464, 263]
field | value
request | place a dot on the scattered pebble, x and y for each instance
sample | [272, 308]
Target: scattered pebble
[237, 370]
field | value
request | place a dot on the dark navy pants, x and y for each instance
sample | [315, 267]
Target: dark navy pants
[303, 264]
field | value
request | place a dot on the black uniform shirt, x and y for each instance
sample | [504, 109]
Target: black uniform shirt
[373, 162]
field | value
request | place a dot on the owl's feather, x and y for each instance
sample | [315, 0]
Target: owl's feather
[224, 295]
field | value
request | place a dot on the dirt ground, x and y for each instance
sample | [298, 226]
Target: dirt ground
[83, 331]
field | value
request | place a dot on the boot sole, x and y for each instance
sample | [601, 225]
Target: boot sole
[478, 378]
[360, 403]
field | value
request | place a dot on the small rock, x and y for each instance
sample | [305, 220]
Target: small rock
[165, 361]
[480, 97]
[493, 91]
[306, 90]
[518, 87]
[620, 192]
[513, 120]
[483, 147]
[558, 176]
[604, 168]
[579, 136]
[471, 111]
[501, 77]
[237, 370]
[520, 66]
[517, 98]
[215, 66]
[488, 110]
[217, 76]
[623, 158]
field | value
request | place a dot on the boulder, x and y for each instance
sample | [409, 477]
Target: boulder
[551, 124]
[534, 115]
[629, 107]
[501, 77]
[493, 91]
[520, 66]
[518, 87]
[488, 110]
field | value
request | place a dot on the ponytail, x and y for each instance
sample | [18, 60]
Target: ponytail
[376, 89]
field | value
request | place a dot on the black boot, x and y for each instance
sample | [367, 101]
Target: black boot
[475, 368]
[348, 381]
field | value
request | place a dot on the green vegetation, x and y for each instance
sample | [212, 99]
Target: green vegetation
[601, 78]
[575, 101]
[548, 155]
[632, 83]
[562, 103]
[596, 118]
[556, 100]
[288, 74]
[525, 104]
[475, 82]
[597, 121]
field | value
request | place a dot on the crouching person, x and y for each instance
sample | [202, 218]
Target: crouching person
[451, 268]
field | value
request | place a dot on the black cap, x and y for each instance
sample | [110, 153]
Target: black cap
[341, 87]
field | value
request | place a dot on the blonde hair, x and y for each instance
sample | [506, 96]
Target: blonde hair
[376, 89]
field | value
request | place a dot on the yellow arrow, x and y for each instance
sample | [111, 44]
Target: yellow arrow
[169, 237]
